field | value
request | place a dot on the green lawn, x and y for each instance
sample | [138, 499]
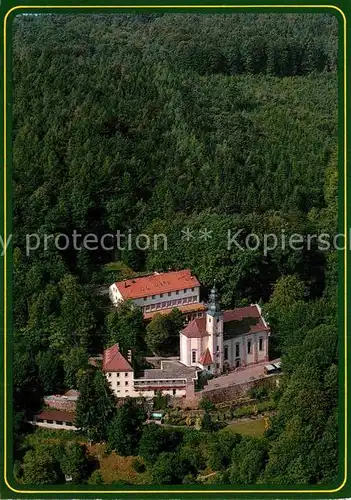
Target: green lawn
[254, 428]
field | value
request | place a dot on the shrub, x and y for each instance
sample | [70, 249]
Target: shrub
[96, 478]
[206, 404]
[138, 465]
[266, 406]
[258, 393]
[244, 411]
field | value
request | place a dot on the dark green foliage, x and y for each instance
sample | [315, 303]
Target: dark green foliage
[41, 466]
[219, 449]
[125, 326]
[170, 468]
[156, 123]
[125, 429]
[96, 405]
[50, 371]
[207, 404]
[74, 462]
[138, 465]
[156, 439]
[160, 402]
[162, 333]
[248, 461]
[74, 362]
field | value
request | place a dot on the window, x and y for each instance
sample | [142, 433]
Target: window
[249, 347]
[152, 307]
[69, 423]
[193, 357]
[169, 294]
[161, 295]
[145, 298]
[118, 383]
[192, 289]
[155, 392]
[177, 292]
[209, 320]
[179, 301]
[225, 352]
[217, 365]
[117, 374]
[58, 422]
[208, 368]
[185, 290]
[237, 350]
[169, 303]
[153, 296]
[147, 308]
[49, 421]
[109, 375]
[39, 420]
[126, 382]
[126, 374]
[126, 390]
[261, 344]
[158, 305]
[174, 392]
[217, 348]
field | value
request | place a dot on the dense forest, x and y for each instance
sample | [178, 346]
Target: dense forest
[152, 124]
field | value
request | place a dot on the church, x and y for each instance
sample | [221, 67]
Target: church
[212, 340]
[223, 340]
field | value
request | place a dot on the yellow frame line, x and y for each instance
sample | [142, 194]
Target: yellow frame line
[204, 492]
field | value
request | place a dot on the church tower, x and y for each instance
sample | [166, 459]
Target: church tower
[214, 327]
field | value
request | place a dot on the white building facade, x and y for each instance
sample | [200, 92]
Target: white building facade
[229, 339]
[171, 379]
[161, 292]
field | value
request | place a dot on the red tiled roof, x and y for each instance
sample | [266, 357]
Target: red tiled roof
[186, 308]
[196, 328]
[249, 315]
[156, 283]
[241, 320]
[58, 415]
[206, 358]
[113, 361]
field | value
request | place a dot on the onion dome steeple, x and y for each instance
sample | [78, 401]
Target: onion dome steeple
[213, 302]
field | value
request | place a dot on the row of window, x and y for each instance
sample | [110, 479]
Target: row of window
[174, 391]
[237, 350]
[169, 294]
[138, 383]
[52, 421]
[249, 348]
[118, 374]
[169, 303]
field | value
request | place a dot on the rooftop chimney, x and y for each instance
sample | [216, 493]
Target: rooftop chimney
[129, 356]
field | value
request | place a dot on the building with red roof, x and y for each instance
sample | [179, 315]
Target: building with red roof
[172, 378]
[232, 339]
[161, 292]
[55, 419]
